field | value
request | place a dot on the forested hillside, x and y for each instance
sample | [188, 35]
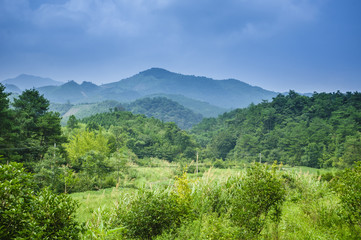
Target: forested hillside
[146, 137]
[142, 163]
[318, 131]
[166, 110]
[84, 153]
[201, 107]
[160, 108]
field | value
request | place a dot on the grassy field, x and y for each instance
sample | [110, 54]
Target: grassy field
[148, 177]
[311, 210]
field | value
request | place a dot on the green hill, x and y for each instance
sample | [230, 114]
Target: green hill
[319, 131]
[204, 108]
[166, 110]
[146, 137]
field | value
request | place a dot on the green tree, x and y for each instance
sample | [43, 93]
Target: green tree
[72, 122]
[352, 152]
[37, 128]
[6, 124]
[83, 142]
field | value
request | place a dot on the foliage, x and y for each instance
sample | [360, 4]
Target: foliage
[348, 187]
[30, 128]
[146, 137]
[72, 122]
[257, 195]
[318, 131]
[150, 213]
[34, 215]
[83, 142]
[165, 110]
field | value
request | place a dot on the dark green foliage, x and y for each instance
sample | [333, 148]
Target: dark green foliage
[204, 108]
[318, 131]
[31, 104]
[16, 191]
[255, 197]
[30, 129]
[219, 163]
[151, 213]
[72, 122]
[6, 123]
[348, 187]
[146, 137]
[48, 170]
[27, 214]
[54, 215]
[165, 110]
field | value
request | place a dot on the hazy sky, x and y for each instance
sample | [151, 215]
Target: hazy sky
[304, 45]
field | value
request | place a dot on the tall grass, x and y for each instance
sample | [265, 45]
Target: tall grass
[311, 209]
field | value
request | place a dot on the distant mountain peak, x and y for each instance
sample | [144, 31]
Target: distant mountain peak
[156, 72]
[27, 81]
[71, 82]
[87, 83]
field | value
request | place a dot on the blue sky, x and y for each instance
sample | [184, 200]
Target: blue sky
[304, 45]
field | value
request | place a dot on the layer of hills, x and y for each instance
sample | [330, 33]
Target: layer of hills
[25, 81]
[224, 94]
[161, 108]
[199, 96]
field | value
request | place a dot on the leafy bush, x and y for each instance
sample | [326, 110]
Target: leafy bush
[26, 214]
[150, 213]
[348, 187]
[255, 196]
[219, 163]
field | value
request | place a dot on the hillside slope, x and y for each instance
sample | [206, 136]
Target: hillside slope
[229, 93]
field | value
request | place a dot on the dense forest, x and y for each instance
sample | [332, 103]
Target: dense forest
[42, 162]
[161, 108]
[318, 131]
[166, 110]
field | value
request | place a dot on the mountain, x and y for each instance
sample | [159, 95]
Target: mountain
[207, 110]
[84, 109]
[11, 88]
[71, 92]
[213, 96]
[166, 110]
[229, 93]
[25, 81]
[158, 107]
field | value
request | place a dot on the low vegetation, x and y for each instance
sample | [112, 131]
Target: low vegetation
[118, 175]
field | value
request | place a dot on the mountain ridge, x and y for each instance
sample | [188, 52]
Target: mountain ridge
[27, 81]
[224, 94]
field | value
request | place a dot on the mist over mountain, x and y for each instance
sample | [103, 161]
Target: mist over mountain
[196, 93]
[71, 92]
[11, 88]
[25, 81]
[229, 93]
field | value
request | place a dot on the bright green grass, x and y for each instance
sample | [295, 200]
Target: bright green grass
[92, 200]
[150, 177]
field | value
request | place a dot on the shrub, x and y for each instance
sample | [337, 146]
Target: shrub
[256, 196]
[26, 214]
[150, 213]
[348, 187]
[219, 163]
